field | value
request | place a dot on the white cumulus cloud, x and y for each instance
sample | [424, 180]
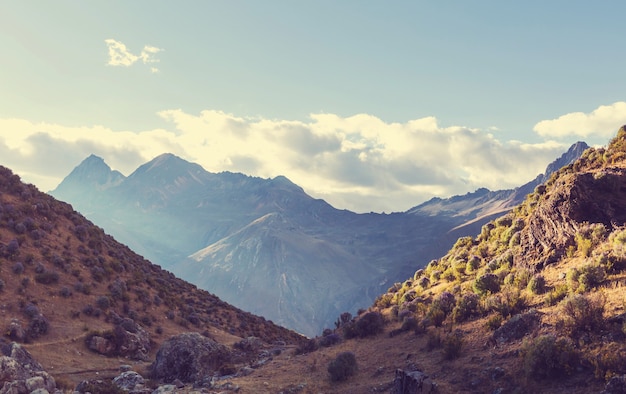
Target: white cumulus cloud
[359, 162]
[119, 55]
[602, 122]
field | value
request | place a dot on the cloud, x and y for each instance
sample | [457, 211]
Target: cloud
[119, 55]
[359, 162]
[602, 122]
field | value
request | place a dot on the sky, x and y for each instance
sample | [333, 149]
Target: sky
[370, 105]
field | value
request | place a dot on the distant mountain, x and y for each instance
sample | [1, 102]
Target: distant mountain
[266, 246]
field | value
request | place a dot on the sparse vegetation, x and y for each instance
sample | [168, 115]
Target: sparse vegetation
[342, 367]
[547, 357]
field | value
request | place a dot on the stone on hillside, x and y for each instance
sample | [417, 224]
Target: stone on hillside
[15, 331]
[413, 382]
[128, 339]
[20, 373]
[101, 345]
[129, 380]
[189, 357]
[132, 340]
[517, 327]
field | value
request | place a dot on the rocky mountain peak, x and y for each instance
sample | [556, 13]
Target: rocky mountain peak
[92, 174]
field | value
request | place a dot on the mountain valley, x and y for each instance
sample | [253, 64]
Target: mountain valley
[266, 246]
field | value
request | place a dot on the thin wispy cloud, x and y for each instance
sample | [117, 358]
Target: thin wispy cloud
[119, 55]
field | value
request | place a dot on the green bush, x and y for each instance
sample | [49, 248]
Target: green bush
[556, 294]
[342, 367]
[537, 284]
[466, 306]
[486, 283]
[583, 313]
[548, 357]
[436, 315]
[508, 302]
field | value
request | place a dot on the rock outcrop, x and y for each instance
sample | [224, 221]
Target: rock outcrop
[20, 373]
[596, 196]
[191, 358]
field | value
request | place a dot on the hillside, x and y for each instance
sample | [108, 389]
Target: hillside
[533, 304]
[63, 282]
[266, 246]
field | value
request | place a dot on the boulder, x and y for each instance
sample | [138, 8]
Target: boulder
[132, 340]
[189, 357]
[127, 339]
[15, 331]
[129, 380]
[20, 373]
[413, 382]
[517, 327]
[101, 345]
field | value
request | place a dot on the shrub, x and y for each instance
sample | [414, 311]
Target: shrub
[47, 277]
[446, 302]
[103, 302]
[472, 264]
[583, 313]
[330, 340]
[433, 340]
[452, 346]
[342, 367]
[508, 302]
[307, 346]
[610, 360]
[547, 357]
[31, 310]
[486, 283]
[591, 276]
[370, 323]
[494, 322]
[18, 268]
[65, 292]
[466, 306]
[436, 315]
[537, 284]
[557, 294]
[343, 319]
[37, 327]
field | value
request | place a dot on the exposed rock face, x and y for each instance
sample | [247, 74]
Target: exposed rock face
[189, 357]
[413, 382]
[589, 197]
[20, 373]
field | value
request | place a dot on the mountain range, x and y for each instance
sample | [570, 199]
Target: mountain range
[266, 246]
[533, 303]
